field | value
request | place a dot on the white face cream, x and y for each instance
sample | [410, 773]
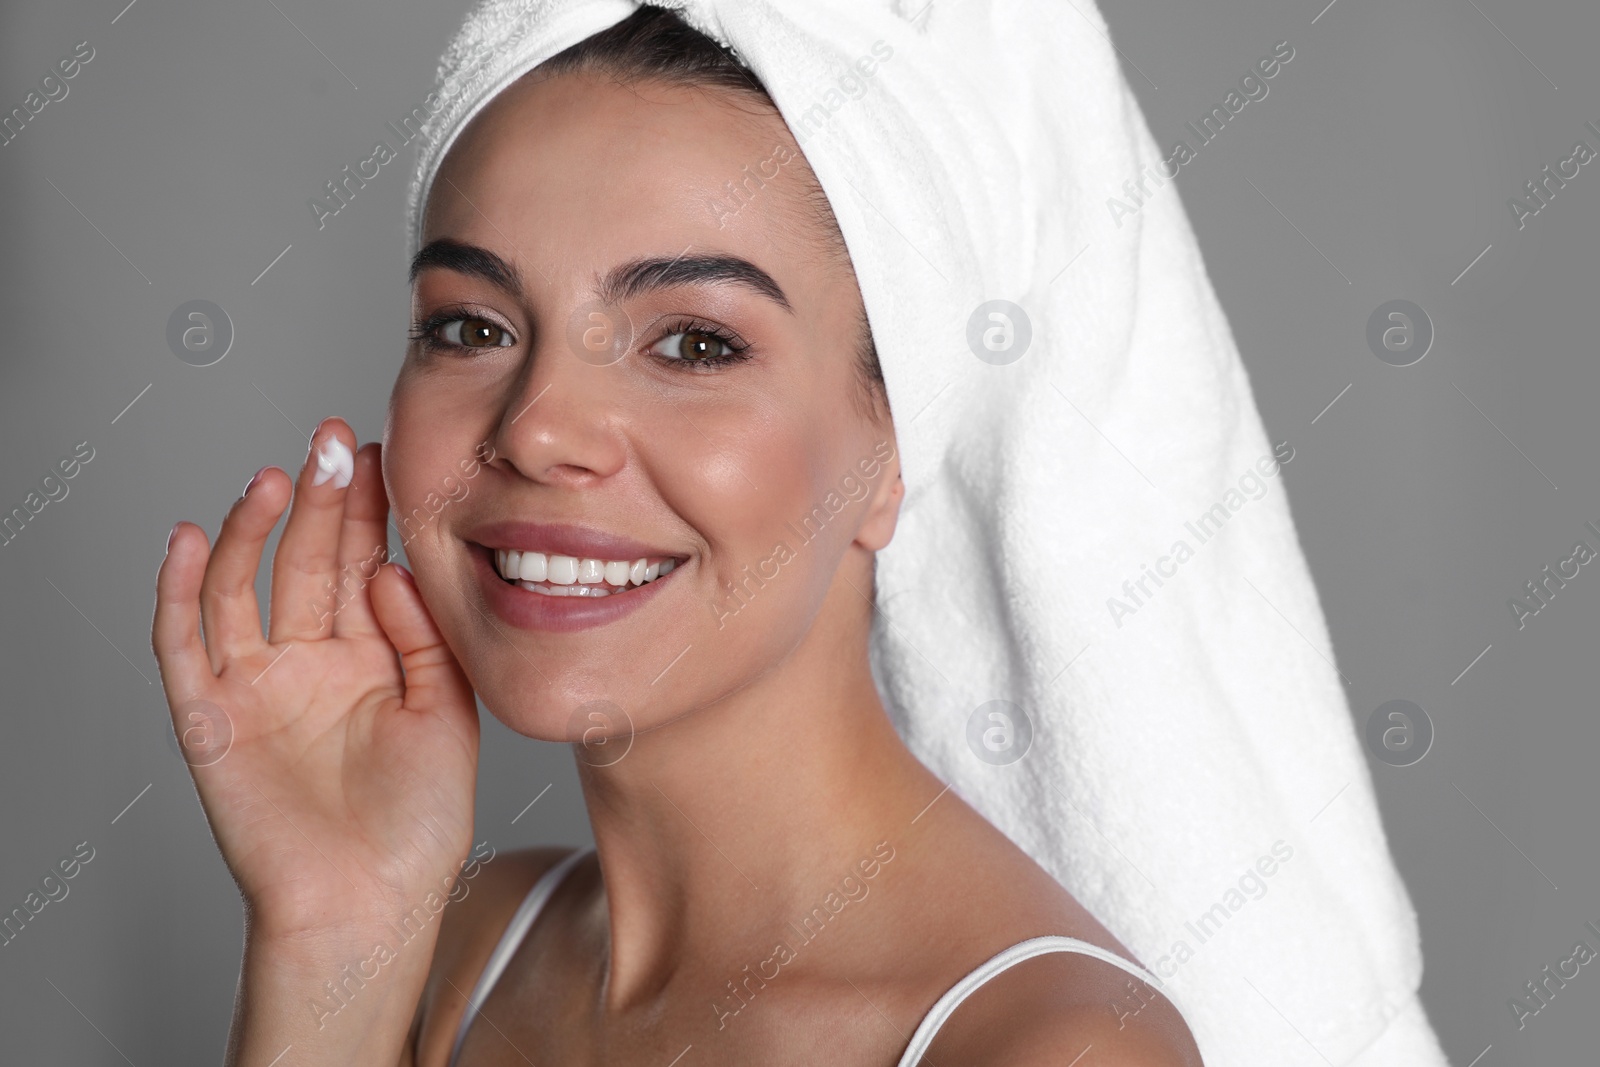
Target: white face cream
[335, 461]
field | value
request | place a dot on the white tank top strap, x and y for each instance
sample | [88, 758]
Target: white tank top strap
[1022, 950]
[510, 939]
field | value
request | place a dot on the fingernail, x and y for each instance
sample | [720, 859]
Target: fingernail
[173, 534]
[407, 575]
[312, 443]
[321, 430]
[252, 482]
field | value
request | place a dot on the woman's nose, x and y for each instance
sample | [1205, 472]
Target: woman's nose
[563, 422]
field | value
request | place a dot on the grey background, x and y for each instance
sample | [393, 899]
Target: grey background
[1377, 168]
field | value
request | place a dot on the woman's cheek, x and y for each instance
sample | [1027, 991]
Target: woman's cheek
[764, 563]
[424, 478]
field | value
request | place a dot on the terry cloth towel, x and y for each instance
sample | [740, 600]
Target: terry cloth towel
[1190, 770]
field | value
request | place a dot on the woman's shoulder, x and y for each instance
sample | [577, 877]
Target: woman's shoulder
[1049, 1007]
[470, 927]
[1052, 1008]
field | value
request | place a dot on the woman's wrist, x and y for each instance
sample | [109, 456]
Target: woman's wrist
[300, 923]
[335, 997]
[329, 995]
[338, 977]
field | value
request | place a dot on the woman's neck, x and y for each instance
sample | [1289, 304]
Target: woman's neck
[716, 831]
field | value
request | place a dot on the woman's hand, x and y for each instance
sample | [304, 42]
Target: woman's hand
[336, 756]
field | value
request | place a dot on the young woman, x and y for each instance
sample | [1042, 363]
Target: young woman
[763, 799]
[778, 880]
[641, 456]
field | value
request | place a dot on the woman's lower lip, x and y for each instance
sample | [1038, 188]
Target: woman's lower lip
[528, 610]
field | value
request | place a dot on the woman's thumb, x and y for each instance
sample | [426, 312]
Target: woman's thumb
[434, 678]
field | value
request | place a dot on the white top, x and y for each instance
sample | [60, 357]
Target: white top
[942, 1008]
[1000, 961]
[514, 932]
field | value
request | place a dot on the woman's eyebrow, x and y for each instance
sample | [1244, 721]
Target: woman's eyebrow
[646, 275]
[623, 282]
[467, 259]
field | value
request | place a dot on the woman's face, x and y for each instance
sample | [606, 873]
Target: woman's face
[639, 345]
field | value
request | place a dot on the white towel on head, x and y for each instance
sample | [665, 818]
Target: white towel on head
[1193, 777]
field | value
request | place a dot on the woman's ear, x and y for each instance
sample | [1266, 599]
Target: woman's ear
[883, 508]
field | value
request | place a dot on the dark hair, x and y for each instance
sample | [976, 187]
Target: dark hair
[656, 44]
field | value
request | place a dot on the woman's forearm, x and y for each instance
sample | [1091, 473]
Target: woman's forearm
[343, 999]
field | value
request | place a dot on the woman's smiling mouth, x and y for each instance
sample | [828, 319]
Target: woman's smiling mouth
[560, 577]
[554, 574]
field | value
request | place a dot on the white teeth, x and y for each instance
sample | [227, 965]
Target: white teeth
[557, 575]
[566, 590]
[533, 568]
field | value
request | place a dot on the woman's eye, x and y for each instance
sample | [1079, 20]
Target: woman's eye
[694, 346]
[474, 333]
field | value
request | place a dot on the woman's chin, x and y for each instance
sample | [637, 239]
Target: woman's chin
[564, 713]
